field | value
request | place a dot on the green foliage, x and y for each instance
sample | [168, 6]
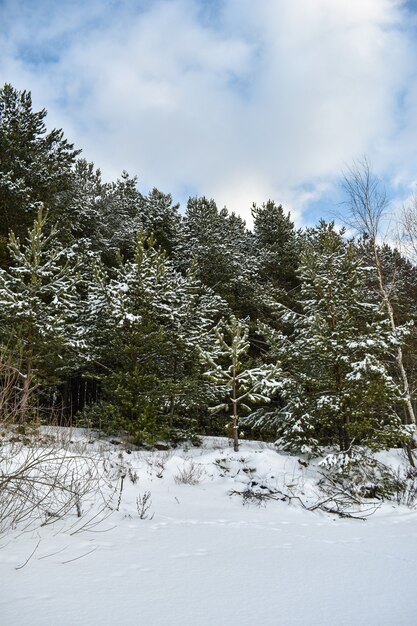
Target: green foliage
[239, 386]
[149, 322]
[277, 247]
[166, 316]
[336, 354]
[35, 165]
[218, 244]
[358, 475]
[160, 219]
[39, 304]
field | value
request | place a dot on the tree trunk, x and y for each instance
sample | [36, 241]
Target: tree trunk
[235, 427]
[368, 204]
[235, 416]
[411, 417]
[24, 402]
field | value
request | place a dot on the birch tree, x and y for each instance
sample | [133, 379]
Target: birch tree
[368, 203]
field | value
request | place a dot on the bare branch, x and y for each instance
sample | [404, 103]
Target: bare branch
[367, 199]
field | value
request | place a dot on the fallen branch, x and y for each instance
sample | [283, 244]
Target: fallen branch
[339, 508]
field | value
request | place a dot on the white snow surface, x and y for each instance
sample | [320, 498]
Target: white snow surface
[206, 559]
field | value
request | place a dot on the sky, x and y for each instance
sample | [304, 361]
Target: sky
[237, 100]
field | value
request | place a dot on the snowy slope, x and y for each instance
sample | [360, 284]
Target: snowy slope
[204, 558]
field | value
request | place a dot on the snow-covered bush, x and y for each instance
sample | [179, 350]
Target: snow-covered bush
[358, 475]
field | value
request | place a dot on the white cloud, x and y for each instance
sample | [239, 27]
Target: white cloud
[256, 101]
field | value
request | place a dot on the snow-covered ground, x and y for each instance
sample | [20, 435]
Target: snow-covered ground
[202, 558]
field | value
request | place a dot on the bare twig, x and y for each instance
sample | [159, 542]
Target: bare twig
[29, 557]
[79, 557]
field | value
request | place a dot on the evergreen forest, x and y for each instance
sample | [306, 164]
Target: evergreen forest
[123, 313]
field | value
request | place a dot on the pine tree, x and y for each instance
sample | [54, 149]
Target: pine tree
[241, 387]
[81, 217]
[161, 219]
[104, 217]
[121, 219]
[39, 307]
[150, 320]
[336, 356]
[277, 247]
[35, 165]
[218, 243]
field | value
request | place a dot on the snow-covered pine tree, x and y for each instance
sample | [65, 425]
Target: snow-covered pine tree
[38, 307]
[219, 244]
[240, 386]
[102, 217]
[121, 220]
[241, 290]
[150, 320]
[337, 354]
[35, 165]
[81, 217]
[160, 218]
[276, 247]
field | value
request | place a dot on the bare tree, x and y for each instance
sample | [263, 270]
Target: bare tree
[408, 224]
[368, 203]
